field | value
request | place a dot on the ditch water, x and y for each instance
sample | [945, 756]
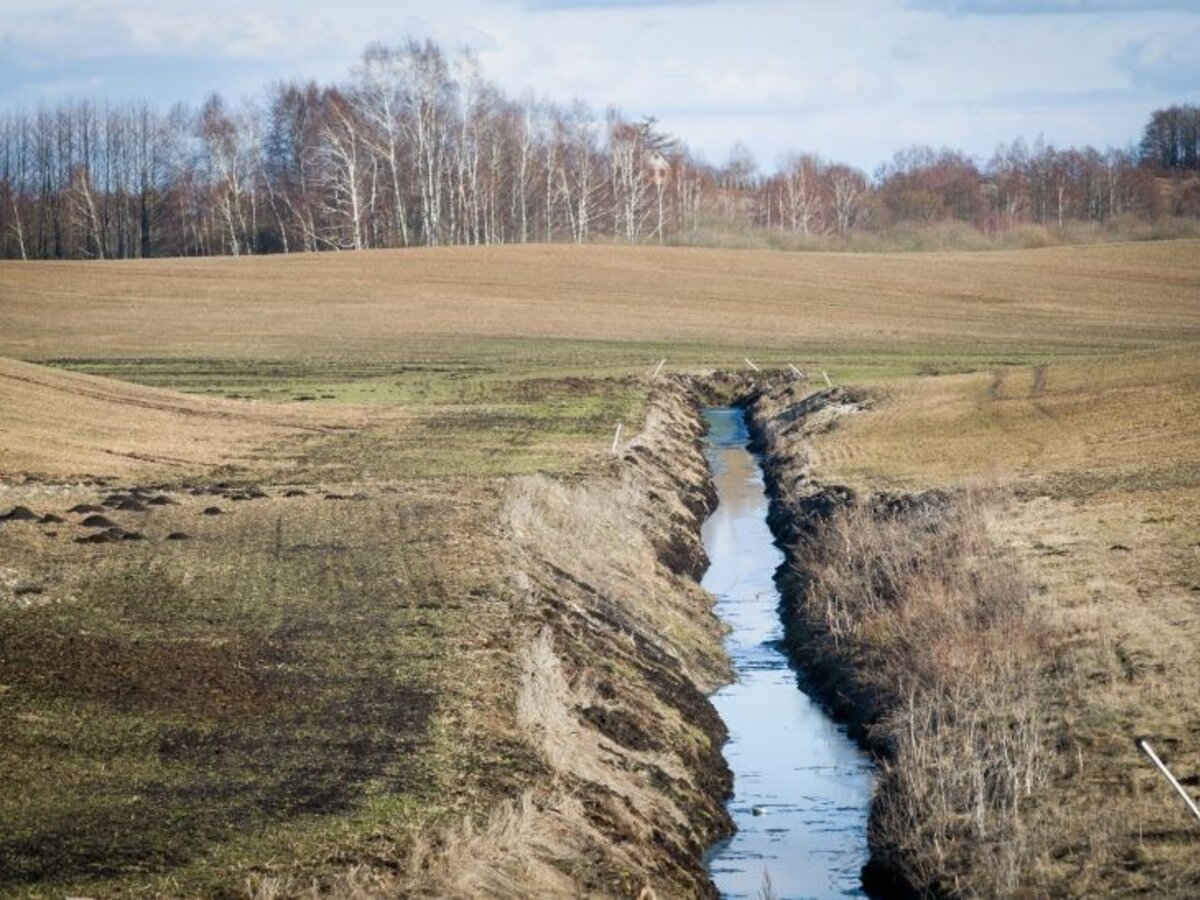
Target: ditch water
[801, 786]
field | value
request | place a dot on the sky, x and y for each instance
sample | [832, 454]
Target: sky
[851, 80]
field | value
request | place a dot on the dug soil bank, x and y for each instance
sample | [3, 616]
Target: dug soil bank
[487, 687]
[622, 651]
[1005, 741]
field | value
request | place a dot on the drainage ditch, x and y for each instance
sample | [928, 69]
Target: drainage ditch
[801, 786]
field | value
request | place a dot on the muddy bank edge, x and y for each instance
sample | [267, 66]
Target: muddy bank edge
[621, 651]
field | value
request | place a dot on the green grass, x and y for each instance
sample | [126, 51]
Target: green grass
[289, 679]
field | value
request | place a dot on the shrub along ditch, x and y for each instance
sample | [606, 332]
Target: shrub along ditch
[913, 624]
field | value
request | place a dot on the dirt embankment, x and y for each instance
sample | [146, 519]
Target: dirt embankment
[621, 651]
[914, 626]
[992, 684]
[783, 419]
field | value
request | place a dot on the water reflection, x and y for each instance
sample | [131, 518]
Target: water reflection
[801, 787]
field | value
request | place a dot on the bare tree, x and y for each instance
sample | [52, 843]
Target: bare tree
[381, 98]
[847, 190]
[800, 199]
[224, 160]
[428, 119]
[345, 172]
[417, 148]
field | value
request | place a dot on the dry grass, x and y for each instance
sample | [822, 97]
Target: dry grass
[932, 628]
[298, 681]
[60, 425]
[1097, 462]
[435, 372]
[1132, 416]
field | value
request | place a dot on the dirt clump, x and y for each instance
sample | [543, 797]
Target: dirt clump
[19, 514]
[98, 521]
[110, 536]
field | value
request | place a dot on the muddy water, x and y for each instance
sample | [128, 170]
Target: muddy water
[801, 787]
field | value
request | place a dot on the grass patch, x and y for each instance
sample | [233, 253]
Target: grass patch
[185, 708]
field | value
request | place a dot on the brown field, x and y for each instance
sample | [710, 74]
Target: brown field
[589, 306]
[147, 681]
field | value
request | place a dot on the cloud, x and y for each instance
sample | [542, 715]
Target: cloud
[567, 5]
[1048, 7]
[85, 31]
[1164, 62]
[38, 37]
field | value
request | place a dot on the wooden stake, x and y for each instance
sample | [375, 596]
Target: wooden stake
[799, 374]
[659, 368]
[828, 383]
[1187, 798]
[617, 439]
[753, 366]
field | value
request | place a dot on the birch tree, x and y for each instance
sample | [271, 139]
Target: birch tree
[800, 199]
[345, 172]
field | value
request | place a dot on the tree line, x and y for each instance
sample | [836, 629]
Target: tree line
[417, 148]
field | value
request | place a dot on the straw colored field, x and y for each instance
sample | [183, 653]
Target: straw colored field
[1100, 462]
[595, 307]
[1130, 417]
[70, 425]
[148, 681]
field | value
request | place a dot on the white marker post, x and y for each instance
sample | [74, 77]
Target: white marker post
[617, 439]
[752, 365]
[828, 383]
[799, 374]
[1187, 798]
[659, 368]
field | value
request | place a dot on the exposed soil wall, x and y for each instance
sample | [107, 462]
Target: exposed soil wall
[783, 419]
[622, 650]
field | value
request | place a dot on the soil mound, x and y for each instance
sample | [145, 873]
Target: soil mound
[19, 514]
[96, 521]
[110, 536]
[213, 511]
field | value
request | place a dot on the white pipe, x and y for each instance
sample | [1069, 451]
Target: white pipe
[617, 439]
[799, 374]
[1187, 798]
[828, 383]
[753, 366]
[659, 369]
